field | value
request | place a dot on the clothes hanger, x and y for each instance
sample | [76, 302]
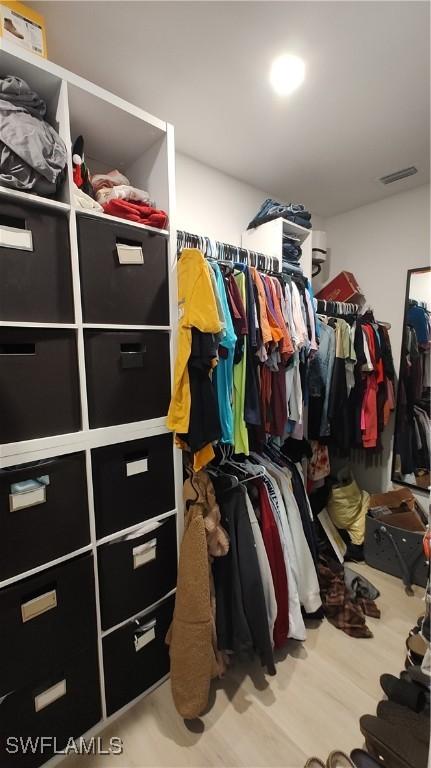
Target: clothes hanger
[244, 471]
[273, 452]
[217, 472]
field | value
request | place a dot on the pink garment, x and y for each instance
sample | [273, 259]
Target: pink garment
[369, 414]
[301, 331]
[369, 425]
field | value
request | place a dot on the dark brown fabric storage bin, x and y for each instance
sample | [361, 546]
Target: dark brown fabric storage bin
[41, 525]
[39, 385]
[36, 276]
[136, 572]
[132, 482]
[74, 689]
[45, 619]
[128, 376]
[136, 656]
[119, 293]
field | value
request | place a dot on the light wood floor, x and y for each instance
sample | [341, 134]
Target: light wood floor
[311, 707]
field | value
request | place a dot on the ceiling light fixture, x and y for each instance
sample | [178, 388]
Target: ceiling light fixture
[287, 74]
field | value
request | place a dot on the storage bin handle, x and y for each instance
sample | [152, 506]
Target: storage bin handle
[51, 695]
[14, 234]
[144, 553]
[137, 466]
[132, 355]
[129, 252]
[38, 605]
[31, 496]
[144, 634]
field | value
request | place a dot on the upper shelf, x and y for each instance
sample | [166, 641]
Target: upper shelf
[117, 134]
[47, 76]
[290, 228]
[114, 137]
[268, 237]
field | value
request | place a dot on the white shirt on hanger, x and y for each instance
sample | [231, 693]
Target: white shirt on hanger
[296, 621]
[307, 581]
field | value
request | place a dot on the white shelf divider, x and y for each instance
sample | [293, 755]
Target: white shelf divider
[16, 196]
[118, 220]
[45, 566]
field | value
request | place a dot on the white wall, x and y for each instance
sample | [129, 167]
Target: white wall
[211, 203]
[379, 243]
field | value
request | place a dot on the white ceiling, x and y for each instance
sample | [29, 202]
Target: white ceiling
[362, 112]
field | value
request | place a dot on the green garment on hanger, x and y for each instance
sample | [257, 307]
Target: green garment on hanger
[240, 433]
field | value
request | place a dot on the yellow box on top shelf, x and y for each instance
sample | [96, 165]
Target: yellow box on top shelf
[23, 26]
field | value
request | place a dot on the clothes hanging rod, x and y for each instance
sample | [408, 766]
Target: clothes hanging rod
[225, 252]
[332, 308]
[338, 307]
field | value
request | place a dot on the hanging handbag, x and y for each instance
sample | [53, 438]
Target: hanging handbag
[394, 544]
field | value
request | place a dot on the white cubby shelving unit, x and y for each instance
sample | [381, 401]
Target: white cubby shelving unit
[268, 238]
[117, 135]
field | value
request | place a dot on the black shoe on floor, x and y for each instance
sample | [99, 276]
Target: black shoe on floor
[410, 695]
[363, 759]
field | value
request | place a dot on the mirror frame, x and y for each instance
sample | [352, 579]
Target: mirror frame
[394, 480]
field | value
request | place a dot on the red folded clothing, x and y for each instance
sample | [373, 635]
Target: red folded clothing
[144, 214]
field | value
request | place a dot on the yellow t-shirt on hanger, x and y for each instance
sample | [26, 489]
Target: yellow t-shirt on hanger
[197, 308]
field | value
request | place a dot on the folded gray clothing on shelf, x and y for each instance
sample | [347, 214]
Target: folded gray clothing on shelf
[17, 91]
[32, 154]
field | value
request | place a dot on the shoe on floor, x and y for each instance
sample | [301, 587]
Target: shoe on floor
[362, 759]
[339, 759]
[393, 745]
[417, 645]
[409, 694]
[415, 675]
[416, 724]
[314, 762]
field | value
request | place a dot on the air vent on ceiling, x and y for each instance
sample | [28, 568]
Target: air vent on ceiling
[391, 177]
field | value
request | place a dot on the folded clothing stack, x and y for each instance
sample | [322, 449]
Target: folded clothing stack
[32, 154]
[270, 209]
[139, 212]
[292, 253]
[115, 186]
[292, 250]
[289, 268]
[118, 198]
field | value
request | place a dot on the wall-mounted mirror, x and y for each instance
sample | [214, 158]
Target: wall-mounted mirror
[411, 456]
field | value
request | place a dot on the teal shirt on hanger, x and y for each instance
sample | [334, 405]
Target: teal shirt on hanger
[223, 373]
